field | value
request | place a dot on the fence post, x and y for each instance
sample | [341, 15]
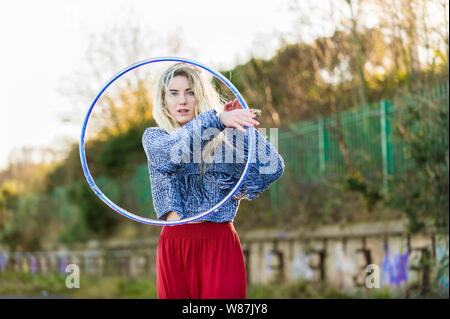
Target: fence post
[386, 143]
[321, 133]
[274, 189]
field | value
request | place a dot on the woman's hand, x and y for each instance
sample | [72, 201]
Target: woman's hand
[238, 119]
[232, 105]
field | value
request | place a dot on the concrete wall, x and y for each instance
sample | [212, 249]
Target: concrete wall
[332, 254]
[340, 255]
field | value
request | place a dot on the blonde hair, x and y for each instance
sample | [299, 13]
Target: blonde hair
[206, 96]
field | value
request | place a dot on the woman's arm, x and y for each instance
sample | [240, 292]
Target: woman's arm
[164, 153]
[165, 194]
[173, 216]
[158, 145]
[165, 150]
[266, 167]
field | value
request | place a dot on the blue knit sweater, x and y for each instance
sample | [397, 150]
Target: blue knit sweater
[175, 176]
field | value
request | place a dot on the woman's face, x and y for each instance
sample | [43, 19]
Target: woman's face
[180, 99]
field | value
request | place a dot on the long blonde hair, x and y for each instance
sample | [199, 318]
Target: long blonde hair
[206, 96]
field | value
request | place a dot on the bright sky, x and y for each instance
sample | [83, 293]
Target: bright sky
[45, 41]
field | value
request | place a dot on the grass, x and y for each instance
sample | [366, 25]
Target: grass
[97, 287]
[54, 285]
[295, 290]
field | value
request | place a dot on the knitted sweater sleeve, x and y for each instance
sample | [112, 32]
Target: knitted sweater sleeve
[266, 167]
[165, 194]
[164, 151]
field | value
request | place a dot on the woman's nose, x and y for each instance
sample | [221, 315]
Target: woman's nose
[182, 99]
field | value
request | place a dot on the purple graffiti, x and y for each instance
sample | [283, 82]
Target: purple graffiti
[33, 264]
[395, 270]
[63, 262]
[3, 261]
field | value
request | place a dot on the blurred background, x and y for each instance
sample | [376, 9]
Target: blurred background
[354, 93]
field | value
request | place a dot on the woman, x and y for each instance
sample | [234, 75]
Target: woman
[190, 172]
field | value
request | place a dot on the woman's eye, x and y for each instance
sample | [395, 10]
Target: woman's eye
[173, 93]
[190, 93]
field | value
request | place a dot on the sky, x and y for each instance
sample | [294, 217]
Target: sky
[45, 42]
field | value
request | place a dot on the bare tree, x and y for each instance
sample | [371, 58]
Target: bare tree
[358, 54]
[127, 102]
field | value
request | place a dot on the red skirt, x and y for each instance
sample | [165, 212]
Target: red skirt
[200, 261]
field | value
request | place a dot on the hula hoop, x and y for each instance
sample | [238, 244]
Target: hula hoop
[138, 218]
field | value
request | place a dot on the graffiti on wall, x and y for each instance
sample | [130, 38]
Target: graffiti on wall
[442, 265]
[301, 267]
[29, 263]
[268, 262]
[3, 261]
[273, 264]
[394, 267]
[344, 265]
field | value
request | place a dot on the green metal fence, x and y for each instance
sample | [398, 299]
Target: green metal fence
[312, 153]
